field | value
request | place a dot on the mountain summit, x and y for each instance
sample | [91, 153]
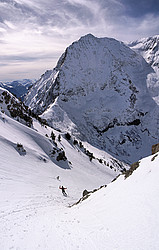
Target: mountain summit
[98, 90]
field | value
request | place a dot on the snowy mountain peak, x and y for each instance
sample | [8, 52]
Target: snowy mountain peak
[99, 91]
[149, 49]
[90, 38]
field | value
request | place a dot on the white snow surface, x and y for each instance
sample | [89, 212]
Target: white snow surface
[125, 214]
[35, 215]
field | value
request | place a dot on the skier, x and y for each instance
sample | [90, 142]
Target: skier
[63, 190]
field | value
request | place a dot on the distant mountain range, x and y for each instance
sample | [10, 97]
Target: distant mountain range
[19, 87]
[98, 92]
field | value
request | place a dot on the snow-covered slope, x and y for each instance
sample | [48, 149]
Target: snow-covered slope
[31, 173]
[99, 90]
[149, 49]
[122, 216]
[19, 88]
[35, 215]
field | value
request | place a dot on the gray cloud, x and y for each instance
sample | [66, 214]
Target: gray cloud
[67, 14]
[39, 30]
[15, 58]
[2, 41]
[138, 9]
[53, 13]
[25, 58]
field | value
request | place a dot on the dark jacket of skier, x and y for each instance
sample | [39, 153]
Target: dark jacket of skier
[63, 189]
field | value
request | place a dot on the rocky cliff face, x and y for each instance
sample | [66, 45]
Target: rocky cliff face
[98, 90]
[14, 108]
[155, 148]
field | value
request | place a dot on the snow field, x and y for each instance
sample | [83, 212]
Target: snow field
[31, 204]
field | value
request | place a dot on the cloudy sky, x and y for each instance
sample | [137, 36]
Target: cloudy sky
[34, 33]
